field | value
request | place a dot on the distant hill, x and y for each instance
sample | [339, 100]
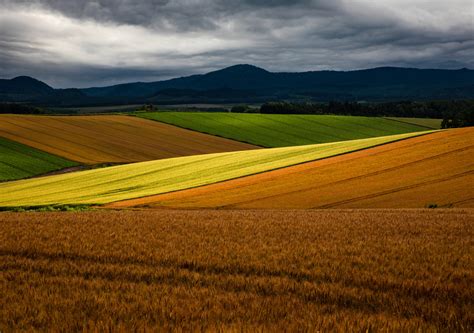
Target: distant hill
[23, 88]
[384, 83]
[28, 89]
[247, 83]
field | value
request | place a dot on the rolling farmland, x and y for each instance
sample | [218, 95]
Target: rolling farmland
[144, 187]
[435, 169]
[117, 139]
[366, 270]
[272, 130]
[19, 161]
[154, 177]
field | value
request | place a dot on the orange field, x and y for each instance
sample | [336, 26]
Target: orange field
[111, 138]
[247, 270]
[435, 169]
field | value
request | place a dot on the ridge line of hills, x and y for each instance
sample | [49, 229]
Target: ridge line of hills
[247, 83]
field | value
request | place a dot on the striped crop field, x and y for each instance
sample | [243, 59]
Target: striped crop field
[273, 130]
[423, 122]
[110, 138]
[136, 180]
[19, 161]
[430, 170]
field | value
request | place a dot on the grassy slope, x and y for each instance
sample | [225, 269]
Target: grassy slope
[424, 122]
[155, 177]
[284, 130]
[19, 161]
[414, 173]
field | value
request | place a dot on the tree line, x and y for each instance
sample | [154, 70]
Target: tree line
[458, 113]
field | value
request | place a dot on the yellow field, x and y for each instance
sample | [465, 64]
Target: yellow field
[136, 180]
[435, 169]
[119, 139]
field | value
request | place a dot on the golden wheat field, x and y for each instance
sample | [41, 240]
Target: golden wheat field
[434, 169]
[247, 270]
[110, 138]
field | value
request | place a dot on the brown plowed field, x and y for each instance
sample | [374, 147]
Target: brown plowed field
[239, 271]
[435, 169]
[119, 139]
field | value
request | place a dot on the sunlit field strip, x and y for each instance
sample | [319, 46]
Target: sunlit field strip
[435, 169]
[154, 177]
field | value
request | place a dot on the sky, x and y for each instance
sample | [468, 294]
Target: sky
[96, 43]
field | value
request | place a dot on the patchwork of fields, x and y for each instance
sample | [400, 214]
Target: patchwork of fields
[135, 180]
[435, 169]
[273, 130]
[19, 161]
[361, 271]
[117, 139]
[272, 259]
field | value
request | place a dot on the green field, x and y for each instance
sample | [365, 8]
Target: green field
[154, 177]
[273, 130]
[19, 161]
[424, 122]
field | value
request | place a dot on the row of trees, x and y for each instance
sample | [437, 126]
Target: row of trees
[462, 118]
[454, 113]
[244, 109]
[459, 113]
[431, 109]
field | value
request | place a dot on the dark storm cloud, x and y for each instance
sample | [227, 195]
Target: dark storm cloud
[107, 41]
[178, 15]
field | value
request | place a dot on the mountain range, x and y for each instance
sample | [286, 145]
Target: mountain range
[247, 83]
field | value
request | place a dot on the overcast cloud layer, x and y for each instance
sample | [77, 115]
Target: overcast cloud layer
[90, 43]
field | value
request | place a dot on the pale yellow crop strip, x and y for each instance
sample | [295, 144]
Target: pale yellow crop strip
[155, 177]
[123, 173]
[110, 174]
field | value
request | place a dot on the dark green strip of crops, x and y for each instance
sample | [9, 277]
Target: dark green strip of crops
[270, 130]
[20, 161]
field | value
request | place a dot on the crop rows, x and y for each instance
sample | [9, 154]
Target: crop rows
[118, 139]
[435, 169]
[154, 177]
[284, 130]
[20, 161]
[423, 122]
[237, 270]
